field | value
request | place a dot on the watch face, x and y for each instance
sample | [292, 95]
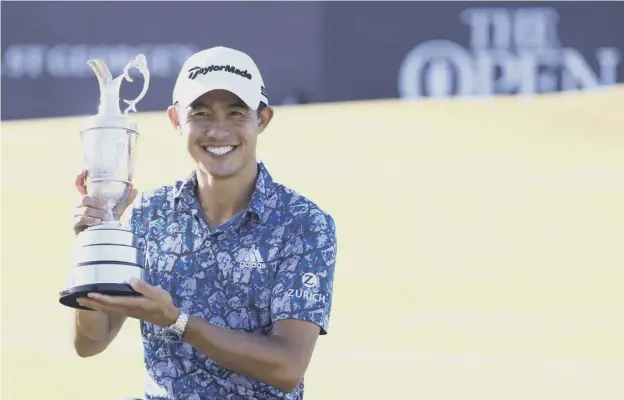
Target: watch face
[171, 336]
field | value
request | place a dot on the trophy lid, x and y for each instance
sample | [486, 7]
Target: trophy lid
[109, 113]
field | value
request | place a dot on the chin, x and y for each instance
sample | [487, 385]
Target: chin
[219, 171]
[220, 174]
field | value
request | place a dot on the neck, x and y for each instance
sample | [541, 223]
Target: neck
[221, 199]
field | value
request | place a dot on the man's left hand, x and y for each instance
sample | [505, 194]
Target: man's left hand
[155, 306]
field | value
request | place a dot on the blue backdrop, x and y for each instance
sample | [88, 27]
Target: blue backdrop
[309, 51]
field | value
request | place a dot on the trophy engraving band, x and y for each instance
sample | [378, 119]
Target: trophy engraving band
[121, 238]
[107, 253]
[104, 273]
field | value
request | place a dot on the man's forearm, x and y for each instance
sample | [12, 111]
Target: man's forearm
[264, 358]
[93, 331]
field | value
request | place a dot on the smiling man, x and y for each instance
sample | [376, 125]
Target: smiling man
[240, 269]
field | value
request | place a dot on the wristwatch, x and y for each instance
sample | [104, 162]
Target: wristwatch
[174, 332]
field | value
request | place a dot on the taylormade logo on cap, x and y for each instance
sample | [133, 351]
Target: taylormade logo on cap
[220, 68]
[193, 72]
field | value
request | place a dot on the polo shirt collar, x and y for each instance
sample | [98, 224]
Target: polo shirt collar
[259, 198]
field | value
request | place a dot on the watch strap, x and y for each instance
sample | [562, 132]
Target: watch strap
[180, 325]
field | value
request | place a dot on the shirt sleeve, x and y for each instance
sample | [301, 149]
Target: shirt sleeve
[303, 288]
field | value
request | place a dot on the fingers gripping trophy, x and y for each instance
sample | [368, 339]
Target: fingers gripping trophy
[106, 256]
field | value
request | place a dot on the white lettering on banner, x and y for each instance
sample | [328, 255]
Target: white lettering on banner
[32, 61]
[306, 295]
[512, 51]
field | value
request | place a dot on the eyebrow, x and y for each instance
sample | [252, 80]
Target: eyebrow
[236, 104]
[198, 104]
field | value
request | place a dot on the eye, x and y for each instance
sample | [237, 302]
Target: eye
[236, 113]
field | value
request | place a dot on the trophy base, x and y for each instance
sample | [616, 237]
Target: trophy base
[70, 296]
[105, 260]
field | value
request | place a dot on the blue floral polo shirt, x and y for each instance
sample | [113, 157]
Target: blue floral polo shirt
[274, 260]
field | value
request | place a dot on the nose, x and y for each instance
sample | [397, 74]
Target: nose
[217, 131]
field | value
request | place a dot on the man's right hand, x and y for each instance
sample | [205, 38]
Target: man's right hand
[89, 211]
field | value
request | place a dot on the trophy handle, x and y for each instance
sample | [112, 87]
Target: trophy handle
[140, 63]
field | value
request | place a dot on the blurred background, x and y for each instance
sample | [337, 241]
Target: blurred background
[470, 153]
[311, 52]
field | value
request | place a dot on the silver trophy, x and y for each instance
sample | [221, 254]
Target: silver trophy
[106, 256]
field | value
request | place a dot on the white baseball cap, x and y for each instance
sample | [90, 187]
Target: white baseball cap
[220, 68]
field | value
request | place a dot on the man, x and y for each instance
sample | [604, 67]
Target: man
[240, 268]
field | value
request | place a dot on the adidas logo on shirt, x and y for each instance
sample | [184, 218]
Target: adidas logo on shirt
[253, 259]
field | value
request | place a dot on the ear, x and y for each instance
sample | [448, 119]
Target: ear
[265, 118]
[174, 118]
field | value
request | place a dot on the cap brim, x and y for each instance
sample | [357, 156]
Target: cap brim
[194, 90]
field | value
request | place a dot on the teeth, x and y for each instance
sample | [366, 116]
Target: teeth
[219, 151]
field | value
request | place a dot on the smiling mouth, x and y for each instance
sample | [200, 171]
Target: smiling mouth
[219, 150]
